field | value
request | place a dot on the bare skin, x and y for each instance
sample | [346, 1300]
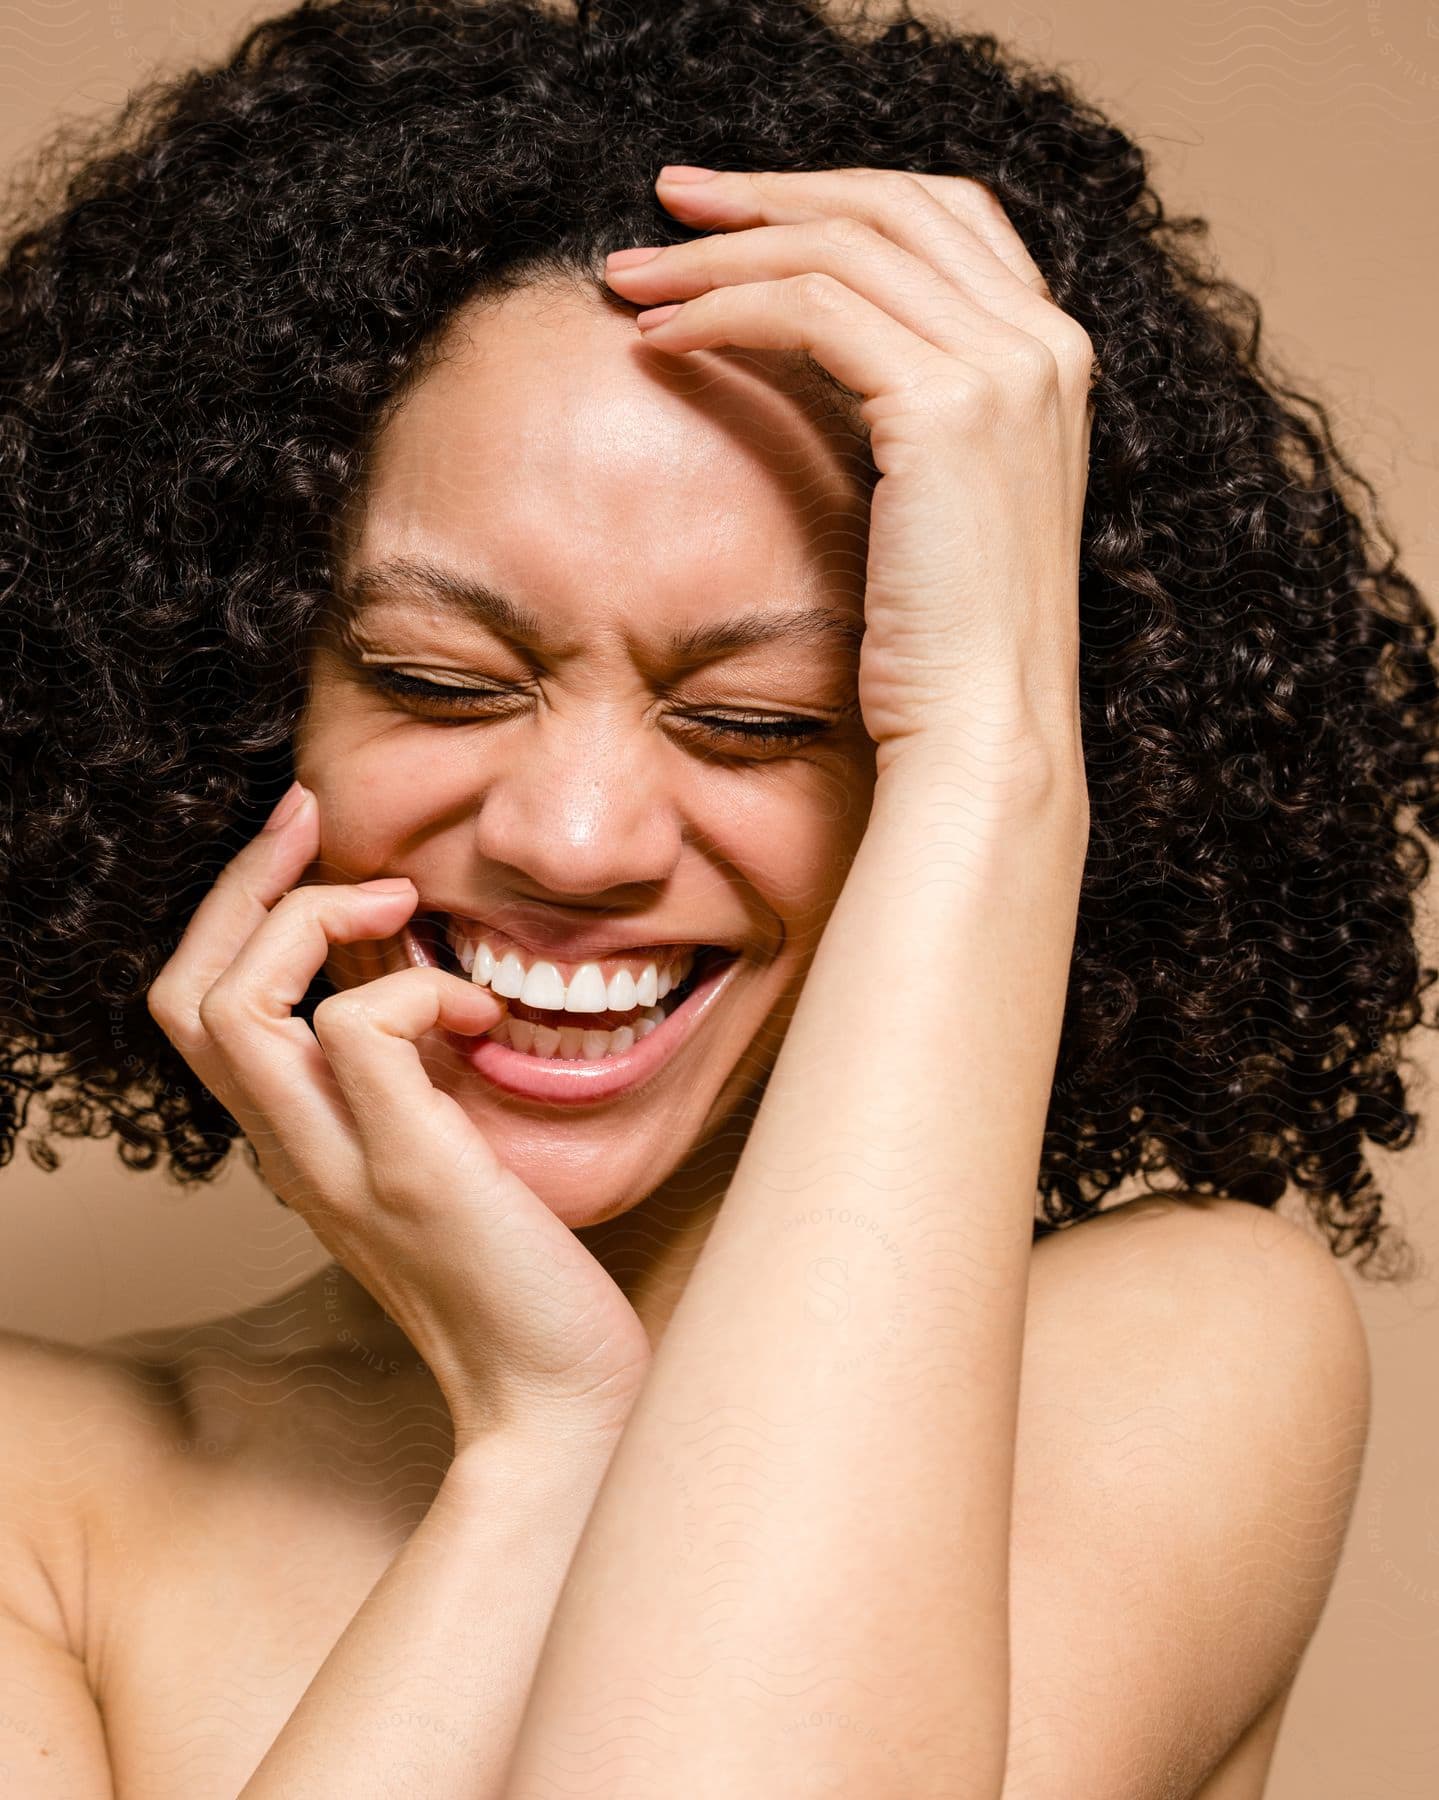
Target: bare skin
[258, 1526]
[242, 1485]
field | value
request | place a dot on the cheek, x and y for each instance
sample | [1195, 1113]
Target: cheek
[796, 850]
[375, 795]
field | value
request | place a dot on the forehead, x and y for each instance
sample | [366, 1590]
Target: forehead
[552, 455]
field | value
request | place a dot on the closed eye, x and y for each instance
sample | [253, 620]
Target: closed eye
[751, 730]
[440, 693]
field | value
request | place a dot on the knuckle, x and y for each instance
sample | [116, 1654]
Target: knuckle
[296, 902]
[180, 1022]
[902, 187]
[963, 401]
[341, 1016]
[293, 916]
[160, 1006]
[816, 292]
[1076, 346]
[335, 1017]
[218, 1010]
[905, 196]
[1032, 361]
[846, 234]
[397, 1193]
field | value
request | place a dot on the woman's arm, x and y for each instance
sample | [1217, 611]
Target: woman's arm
[794, 1579]
[535, 1350]
[424, 1690]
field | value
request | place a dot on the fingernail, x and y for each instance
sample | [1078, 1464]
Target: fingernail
[685, 172]
[656, 315]
[289, 804]
[386, 884]
[631, 259]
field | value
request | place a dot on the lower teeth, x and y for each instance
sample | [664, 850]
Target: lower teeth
[572, 1043]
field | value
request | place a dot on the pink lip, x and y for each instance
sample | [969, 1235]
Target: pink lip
[562, 1082]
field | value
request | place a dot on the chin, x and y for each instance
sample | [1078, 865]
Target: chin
[592, 1164]
[582, 1215]
[583, 1177]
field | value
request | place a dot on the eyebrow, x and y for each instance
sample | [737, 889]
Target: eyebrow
[403, 577]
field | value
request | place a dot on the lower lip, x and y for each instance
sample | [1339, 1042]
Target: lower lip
[564, 1081]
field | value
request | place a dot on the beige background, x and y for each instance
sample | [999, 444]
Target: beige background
[1307, 133]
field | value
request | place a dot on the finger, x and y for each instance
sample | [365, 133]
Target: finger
[401, 1120]
[239, 900]
[275, 1069]
[944, 233]
[272, 970]
[910, 289]
[982, 210]
[859, 343]
[279, 1085]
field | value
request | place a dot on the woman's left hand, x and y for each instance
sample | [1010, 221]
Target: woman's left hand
[916, 292]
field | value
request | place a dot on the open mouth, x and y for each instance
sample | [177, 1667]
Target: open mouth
[571, 1060]
[554, 1033]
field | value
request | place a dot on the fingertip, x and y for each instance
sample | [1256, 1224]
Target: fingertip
[287, 807]
[297, 833]
[472, 991]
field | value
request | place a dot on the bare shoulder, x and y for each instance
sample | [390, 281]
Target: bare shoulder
[61, 1398]
[54, 1394]
[1197, 1274]
[1193, 1416]
[80, 1432]
[76, 1427]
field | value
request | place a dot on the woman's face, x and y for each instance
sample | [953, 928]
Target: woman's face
[586, 807]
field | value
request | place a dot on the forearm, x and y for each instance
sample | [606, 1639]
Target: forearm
[430, 1676]
[796, 1570]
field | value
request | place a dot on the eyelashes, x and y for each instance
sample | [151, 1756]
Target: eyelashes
[395, 681]
[473, 702]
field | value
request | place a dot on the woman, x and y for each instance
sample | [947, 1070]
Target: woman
[896, 671]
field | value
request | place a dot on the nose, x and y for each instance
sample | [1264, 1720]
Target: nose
[574, 807]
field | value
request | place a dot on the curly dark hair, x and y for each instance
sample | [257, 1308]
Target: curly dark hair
[232, 282]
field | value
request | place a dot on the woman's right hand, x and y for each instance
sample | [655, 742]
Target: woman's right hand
[521, 1326]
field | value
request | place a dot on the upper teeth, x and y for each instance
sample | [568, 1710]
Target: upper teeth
[540, 983]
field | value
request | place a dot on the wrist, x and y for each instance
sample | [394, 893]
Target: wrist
[539, 1444]
[977, 779]
[549, 1472]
